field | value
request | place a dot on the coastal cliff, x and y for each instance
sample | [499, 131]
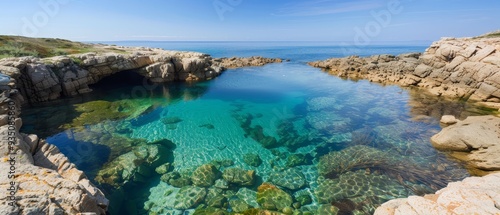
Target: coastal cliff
[466, 68]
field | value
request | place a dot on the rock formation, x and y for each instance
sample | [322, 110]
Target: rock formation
[45, 79]
[43, 180]
[476, 140]
[473, 195]
[452, 67]
[236, 62]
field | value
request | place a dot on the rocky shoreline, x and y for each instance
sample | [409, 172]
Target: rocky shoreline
[46, 182]
[457, 68]
[51, 184]
[464, 68]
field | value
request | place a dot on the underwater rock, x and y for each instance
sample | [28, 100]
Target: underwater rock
[205, 175]
[175, 179]
[189, 197]
[304, 199]
[97, 111]
[328, 122]
[210, 211]
[238, 205]
[171, 120]
[215, 198]
[321, 103]
[290, 137]
[292, 179]
[239, 176]
[221, 184]
[294, 160]
[207, 126]
[249, 196]
[222, 163]
[355, 157]
[328, 210]
[252, 159]
[163, 169]
[136, 165]
[271, 197]
[361, 188]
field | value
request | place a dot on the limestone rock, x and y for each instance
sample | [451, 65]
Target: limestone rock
[478, 137]
[473, 195]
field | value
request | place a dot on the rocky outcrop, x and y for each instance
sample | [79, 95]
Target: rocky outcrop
[473, 195]
[237, 62]
[40, 179]
[476, 140]
[48, 79]
[459, 68]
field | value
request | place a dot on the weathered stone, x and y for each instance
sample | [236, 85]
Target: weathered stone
[478, 137]
[471, 196]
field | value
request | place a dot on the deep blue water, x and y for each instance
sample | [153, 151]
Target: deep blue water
[305, 111]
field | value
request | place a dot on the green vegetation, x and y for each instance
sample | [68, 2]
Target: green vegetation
[495, 34]
[16, 46]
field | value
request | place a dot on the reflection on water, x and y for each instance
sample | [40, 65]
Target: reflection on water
[327, 144]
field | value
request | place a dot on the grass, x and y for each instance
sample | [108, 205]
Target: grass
[16, 46]
[495, 34]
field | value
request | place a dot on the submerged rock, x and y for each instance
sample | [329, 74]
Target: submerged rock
[365, 190]
[252, 159]
[271, 197]
[205, 175]
[292, 179]
[176, 180]
[239, 176]
[189, 197]
[238, 205]
[136, 166]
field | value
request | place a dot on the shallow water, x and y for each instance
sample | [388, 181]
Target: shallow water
[332, 122]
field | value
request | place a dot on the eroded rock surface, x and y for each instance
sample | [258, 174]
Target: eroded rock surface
[473, 195]
[46, 182]
[452, 67]
[476, 140]
[48, 79]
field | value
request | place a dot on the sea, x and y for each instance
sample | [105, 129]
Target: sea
[331, 145]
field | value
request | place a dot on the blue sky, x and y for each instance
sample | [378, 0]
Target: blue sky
[249, 20]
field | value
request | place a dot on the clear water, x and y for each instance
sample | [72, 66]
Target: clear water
[208, 123]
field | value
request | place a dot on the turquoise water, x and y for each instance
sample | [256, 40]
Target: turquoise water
[360, 143]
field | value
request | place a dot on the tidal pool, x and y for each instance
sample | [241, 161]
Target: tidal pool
[283, 137]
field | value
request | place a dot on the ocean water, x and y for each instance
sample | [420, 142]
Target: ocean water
[358, 144]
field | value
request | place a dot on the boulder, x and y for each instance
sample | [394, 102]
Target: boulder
[239, 176]
[474, 195]
[477, 137]
[205, 175]
[271, 197]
